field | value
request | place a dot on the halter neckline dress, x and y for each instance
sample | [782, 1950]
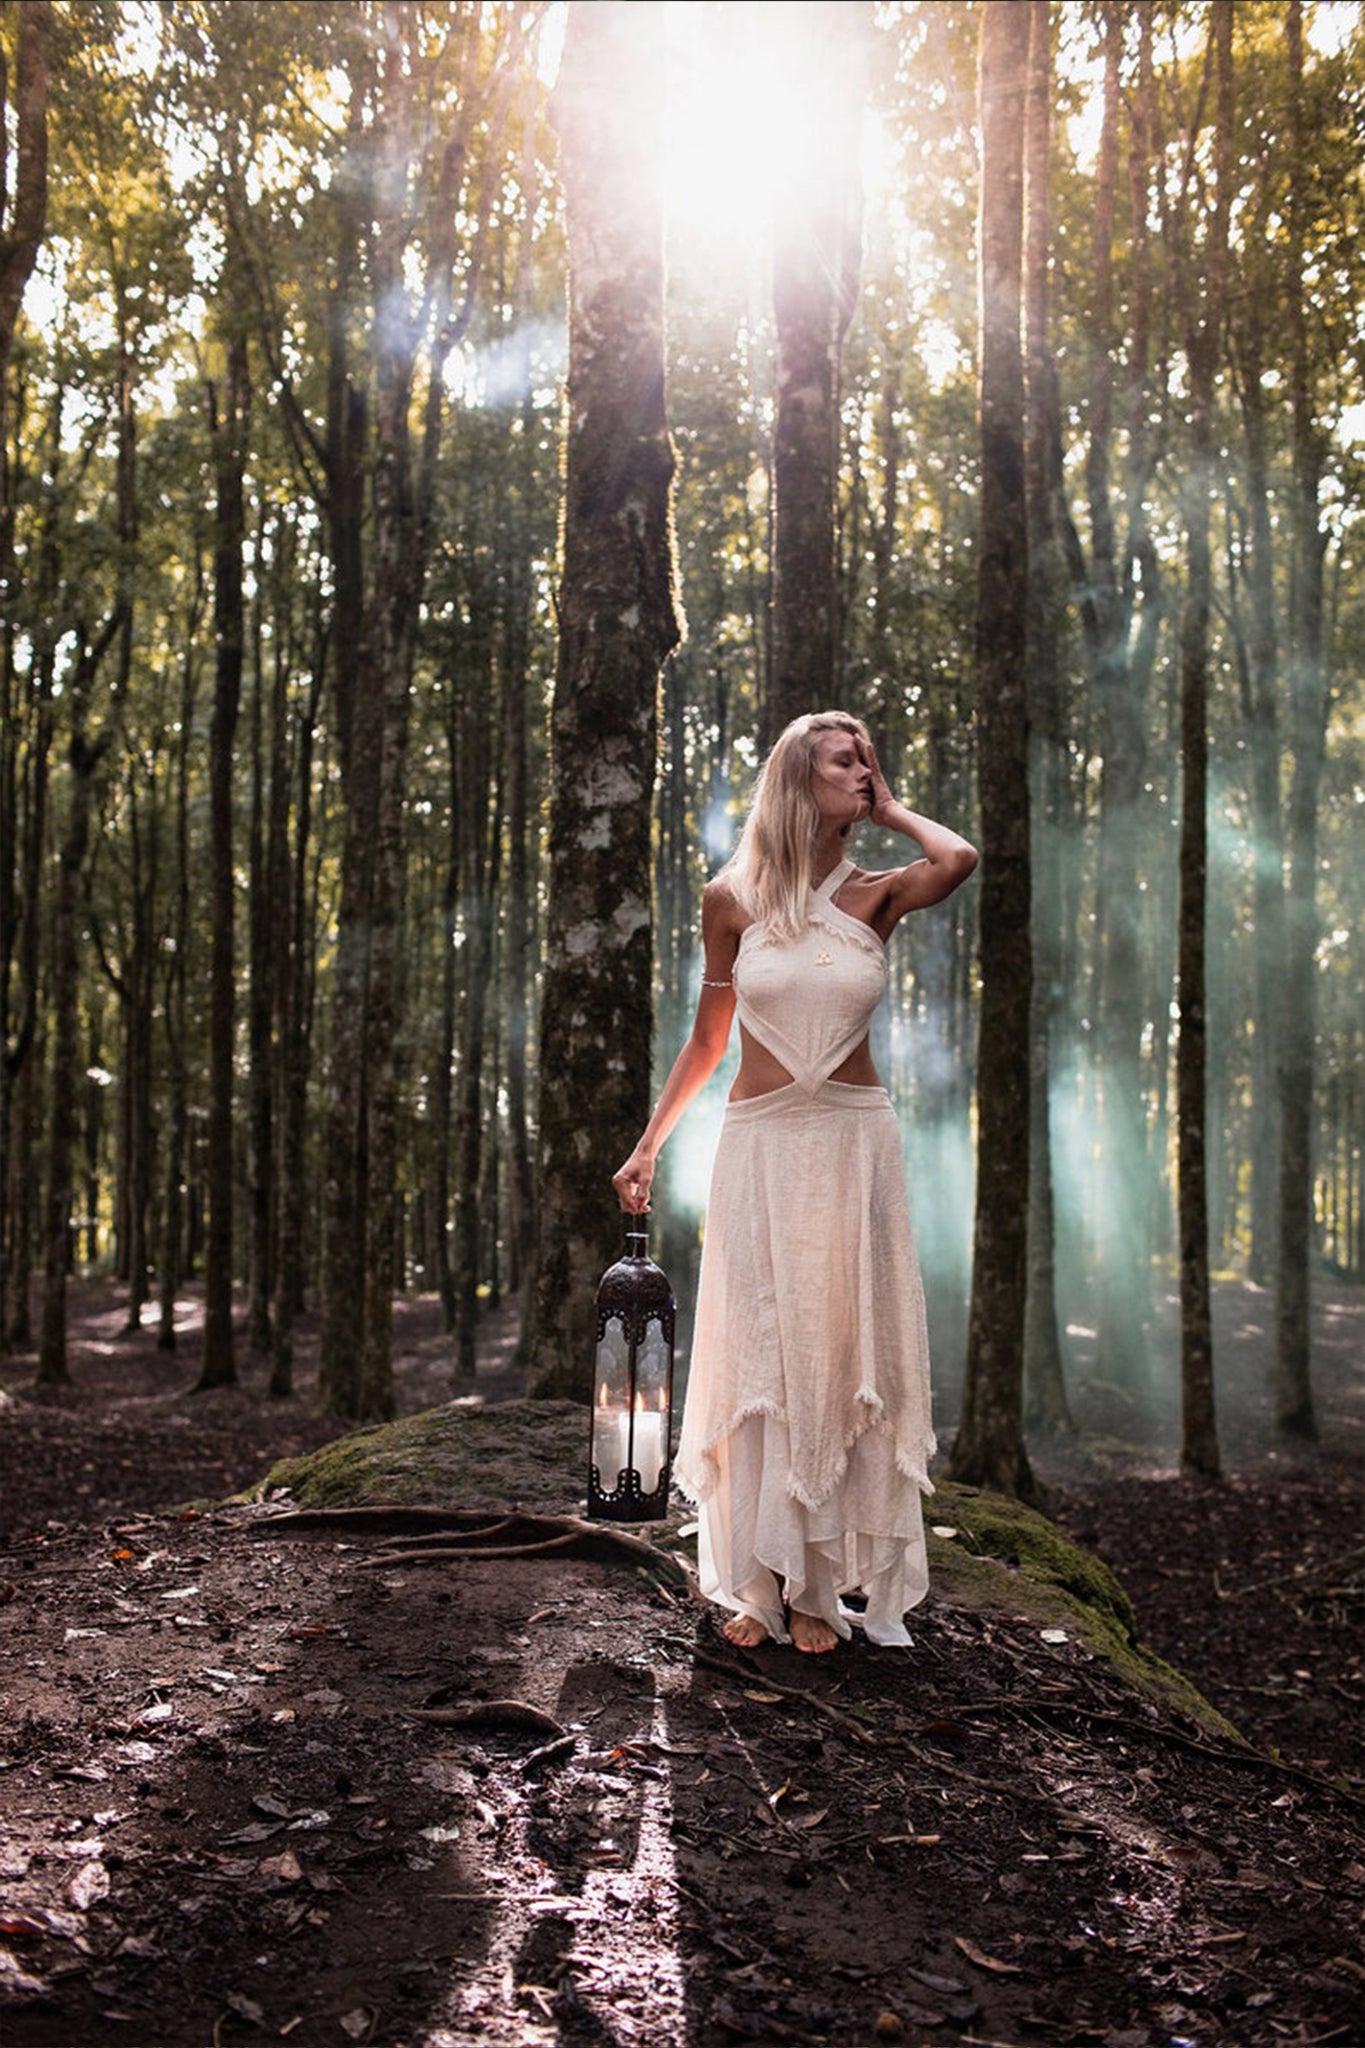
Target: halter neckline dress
[807, 1432]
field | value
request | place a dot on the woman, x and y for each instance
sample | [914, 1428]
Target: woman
[807, 1432]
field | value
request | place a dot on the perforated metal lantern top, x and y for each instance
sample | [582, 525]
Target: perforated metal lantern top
[635, 1284]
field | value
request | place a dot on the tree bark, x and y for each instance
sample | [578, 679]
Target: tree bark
[361, 1217]
[989, 1447]
[227, 410]
[1045, 1385]
[23, 217]
[172, 1255]
[84, 759]
[1308, 700]
[815, 272]
[617, 625]
[1259, 675]
[1199, 1442]
[1123, 1208]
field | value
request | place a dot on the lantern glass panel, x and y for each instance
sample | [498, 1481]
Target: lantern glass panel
[611, 1404]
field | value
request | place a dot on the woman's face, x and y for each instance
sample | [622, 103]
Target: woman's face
[840, 779]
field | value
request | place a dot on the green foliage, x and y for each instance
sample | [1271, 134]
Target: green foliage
[214, 164]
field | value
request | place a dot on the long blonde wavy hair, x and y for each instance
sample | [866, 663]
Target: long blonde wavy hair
[770, 869]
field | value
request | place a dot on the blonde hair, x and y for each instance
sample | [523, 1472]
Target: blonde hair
[770, 869]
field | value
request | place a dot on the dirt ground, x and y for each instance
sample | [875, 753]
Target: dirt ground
[271, 1778]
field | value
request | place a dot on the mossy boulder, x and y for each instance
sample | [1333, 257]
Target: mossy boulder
[997, 1555]
[530, 1454]
[993, 1553]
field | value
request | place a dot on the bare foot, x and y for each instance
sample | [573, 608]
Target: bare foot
[744, 1632]
[811, 1634]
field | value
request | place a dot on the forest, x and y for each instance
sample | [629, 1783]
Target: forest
[442, 442]
[283, 350]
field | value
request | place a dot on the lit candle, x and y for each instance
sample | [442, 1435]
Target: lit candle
[608, 1442]
[649, 1447]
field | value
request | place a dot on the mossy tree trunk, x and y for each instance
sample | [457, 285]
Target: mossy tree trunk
[617, 625]
[989, 1448]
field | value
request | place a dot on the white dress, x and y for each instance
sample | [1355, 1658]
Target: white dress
[807, 1433]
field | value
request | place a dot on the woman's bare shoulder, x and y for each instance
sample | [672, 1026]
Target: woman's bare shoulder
[722, 913]
[719, 896]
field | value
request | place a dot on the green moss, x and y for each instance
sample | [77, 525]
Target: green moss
[1005, 1557]
[1002, 1557]
[530, 1454]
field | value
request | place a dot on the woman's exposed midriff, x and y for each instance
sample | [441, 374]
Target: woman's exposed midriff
[761, 1074]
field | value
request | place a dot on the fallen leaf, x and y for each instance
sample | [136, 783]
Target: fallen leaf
[982, 1960]
[246, 2008]
[811, 1820]
[19, 1927]
[88, 1885]
[357, 2024]
[764, 1699]
[1054, 1635]
[946, 1987]
[285, 1866]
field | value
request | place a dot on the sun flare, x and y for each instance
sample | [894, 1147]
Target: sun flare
[745, 108]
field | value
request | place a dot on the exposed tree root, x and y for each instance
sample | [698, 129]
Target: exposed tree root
[444, 1535]
[514, 1714]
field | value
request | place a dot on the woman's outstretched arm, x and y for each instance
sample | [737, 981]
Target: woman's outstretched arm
[702, 1053]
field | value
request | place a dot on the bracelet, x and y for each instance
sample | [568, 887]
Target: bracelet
[718, 984]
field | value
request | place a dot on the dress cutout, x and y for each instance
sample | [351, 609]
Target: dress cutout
[807, 1432]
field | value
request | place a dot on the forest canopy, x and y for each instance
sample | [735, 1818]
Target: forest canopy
[283, 345]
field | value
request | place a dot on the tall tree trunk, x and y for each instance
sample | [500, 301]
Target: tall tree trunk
[294, 994]
[267, 784]
[18, 1058]
[1308, 729]
[1258, 676]
[815, 273]
[617, 626]
[23, 217]
[52, 1364]
[172, 1256]
[343, 1166]
[1199, 1442]
[387, 684]
[227, 421]
[989, 1448]
[138, 1013]
[1122, 1248]
[363, 1115]
[84, 758]
[1045, 1386]
[518, 599]
[442, 1120]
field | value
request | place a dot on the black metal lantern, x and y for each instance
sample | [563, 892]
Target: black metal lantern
[632, 1408]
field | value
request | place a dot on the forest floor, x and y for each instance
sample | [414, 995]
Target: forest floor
[266, 1779]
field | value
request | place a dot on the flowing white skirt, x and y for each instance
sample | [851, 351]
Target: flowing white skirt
[807, 1432]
